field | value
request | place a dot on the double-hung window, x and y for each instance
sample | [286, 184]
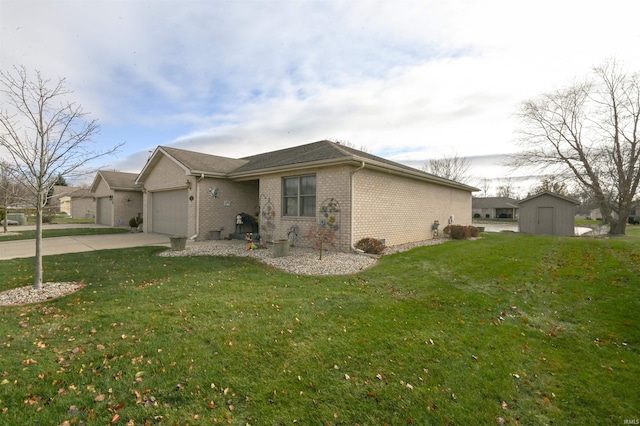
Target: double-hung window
[299, 195]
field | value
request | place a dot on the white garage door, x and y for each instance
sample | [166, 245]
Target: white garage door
[169, 210]
[103, 210]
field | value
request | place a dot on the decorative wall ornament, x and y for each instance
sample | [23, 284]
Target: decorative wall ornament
[267, 220]
[330, 214]
[214, 192]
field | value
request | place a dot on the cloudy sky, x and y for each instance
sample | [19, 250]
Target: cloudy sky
[407, 80]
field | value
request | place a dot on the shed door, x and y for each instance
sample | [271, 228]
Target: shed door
[103, 211]
[169, 212]
[545, 221]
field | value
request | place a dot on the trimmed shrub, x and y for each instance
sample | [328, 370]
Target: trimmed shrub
[473, 231]
[459, 232]
[477, 216]
[370, 245]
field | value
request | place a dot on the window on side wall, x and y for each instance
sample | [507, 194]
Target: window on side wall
[299, 195]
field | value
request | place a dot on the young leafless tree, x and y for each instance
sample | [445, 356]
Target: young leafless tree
[589, 132]
[12, 192]
[452, 167]
[485, 185]
[44, 136]
[507, 188]
[551, 184]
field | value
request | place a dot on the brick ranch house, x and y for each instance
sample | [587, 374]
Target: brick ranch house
[291, 190]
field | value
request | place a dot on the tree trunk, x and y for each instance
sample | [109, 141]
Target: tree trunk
[618, 227]
[37, 276]
[619, 221]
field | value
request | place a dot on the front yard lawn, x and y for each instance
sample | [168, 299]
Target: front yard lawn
[509, 328]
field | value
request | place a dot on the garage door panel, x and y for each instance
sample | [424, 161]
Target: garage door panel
[103, 210]
[169, 210]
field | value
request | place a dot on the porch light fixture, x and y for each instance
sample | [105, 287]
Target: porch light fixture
[111, 197]
[188, 184]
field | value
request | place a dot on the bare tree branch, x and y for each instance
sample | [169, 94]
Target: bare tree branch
[452, 167]
[589, 131]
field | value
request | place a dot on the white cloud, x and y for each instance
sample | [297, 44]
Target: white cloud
[410, 80]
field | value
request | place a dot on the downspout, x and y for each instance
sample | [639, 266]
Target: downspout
[351, 208]
[198, 180]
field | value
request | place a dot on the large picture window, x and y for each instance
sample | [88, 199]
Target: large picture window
[299, 195]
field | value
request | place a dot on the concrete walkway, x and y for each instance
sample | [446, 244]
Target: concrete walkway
[77, 244]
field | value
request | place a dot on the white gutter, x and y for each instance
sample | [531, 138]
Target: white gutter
[351, 209]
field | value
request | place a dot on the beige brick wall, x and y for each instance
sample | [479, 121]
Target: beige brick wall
[126, 204]
[220, 213]
[331, 182]
[401, 210]
[84, 207]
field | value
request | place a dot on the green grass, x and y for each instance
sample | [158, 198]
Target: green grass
[63, 232]
[535, 330]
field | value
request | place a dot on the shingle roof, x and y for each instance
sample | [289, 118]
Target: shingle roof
[313, 152]
[309, 155]
[553, 194]
[494, 203]
[197, 162]
[119, 180]
[316, 151]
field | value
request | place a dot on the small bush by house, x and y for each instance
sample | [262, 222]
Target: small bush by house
[459, 232]
[370, 245]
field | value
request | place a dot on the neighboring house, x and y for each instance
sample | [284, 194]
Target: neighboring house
[78, 204]
[547, 213]
[118, 197]
[354, 193]
[595, 214]
[495, 208]
[57, 193]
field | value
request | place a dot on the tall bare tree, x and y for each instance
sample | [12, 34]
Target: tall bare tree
[589, 132]
[452, 167]
[45, 136]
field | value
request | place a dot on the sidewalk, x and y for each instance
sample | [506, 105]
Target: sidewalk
[77, 244]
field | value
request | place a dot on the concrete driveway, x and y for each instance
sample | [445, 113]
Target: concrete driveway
[77, 244]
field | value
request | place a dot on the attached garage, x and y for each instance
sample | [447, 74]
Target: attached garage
[117, 199]
[169, 212]
[103, 211]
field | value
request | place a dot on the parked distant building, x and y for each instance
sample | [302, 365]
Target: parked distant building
[547, 213]
[495, 208]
